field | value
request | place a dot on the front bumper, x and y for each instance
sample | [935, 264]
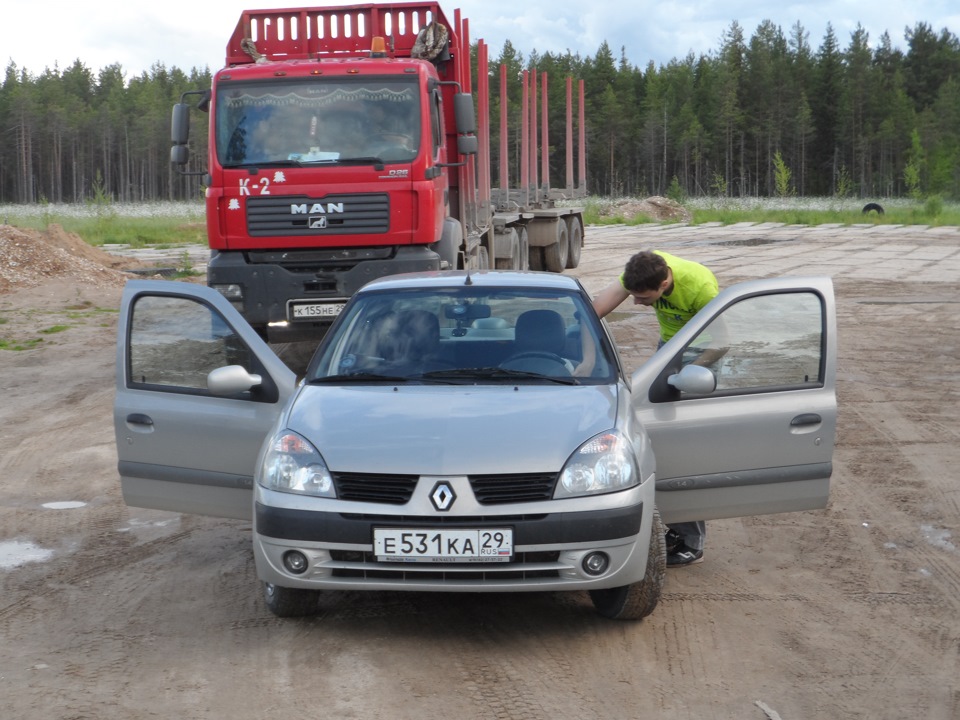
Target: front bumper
[549, 549]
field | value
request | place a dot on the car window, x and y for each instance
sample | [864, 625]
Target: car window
[766, 341]
[429, 334]
[176, 342]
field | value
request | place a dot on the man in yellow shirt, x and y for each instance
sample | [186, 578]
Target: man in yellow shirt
[677, 290]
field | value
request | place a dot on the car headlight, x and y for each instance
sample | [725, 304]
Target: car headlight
[293, 465]
[603, 464]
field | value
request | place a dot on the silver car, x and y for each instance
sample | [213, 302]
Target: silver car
[475, 433]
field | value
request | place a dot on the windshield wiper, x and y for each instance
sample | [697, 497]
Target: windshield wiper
[365, 160]
[265, 163]
[359, 377]
[495, 373]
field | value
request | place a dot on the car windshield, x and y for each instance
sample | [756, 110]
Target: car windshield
[320, 120]
[466, 335]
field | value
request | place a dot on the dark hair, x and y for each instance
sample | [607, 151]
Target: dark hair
[644, 271]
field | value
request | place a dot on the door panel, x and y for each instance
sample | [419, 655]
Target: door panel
[179, 447]
[762, 442]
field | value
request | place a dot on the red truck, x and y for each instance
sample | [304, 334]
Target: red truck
[344, 146]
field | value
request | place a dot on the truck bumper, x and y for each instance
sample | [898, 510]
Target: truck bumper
[267, 282]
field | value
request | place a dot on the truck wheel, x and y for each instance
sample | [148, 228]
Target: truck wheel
[555, 255]
[290, 602]
[535, 259]
[508, 260]
[635, 602]
[523, 249]
[575, 240]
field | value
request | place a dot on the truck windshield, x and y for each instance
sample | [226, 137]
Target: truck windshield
[317, 120]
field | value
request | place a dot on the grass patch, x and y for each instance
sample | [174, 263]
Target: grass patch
[138, 225]
[18, 345]
[53, 329]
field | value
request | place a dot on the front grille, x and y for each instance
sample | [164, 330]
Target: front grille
[524, 566]
[298, 215]
[368, 487]
[488, 489]
[502, 489]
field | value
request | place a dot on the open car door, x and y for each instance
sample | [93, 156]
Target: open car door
[189, 433]
[761, 441]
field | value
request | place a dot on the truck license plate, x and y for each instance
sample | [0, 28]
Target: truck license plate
[315, 310]
[443, 546]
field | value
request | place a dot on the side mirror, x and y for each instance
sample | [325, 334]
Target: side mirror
[179, 154]
[466, 118]
[467, 144]
[230, 380]
[180, 124]
[694, 379]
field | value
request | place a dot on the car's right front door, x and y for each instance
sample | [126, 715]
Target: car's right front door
[762, 441]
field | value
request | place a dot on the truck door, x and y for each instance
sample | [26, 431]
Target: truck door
[180, 447]
[762, 440]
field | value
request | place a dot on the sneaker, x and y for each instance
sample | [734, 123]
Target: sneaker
[674, 541]
[682, 555]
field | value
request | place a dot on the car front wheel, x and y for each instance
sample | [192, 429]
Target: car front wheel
[636, 601]
[290, 602]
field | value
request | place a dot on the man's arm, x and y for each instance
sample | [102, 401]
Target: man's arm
[609, 298]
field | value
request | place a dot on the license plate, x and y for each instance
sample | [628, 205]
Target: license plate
[443, 546]
[315, 310]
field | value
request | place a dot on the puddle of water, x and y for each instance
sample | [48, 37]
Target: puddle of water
[64, 505]
[938, 537]
[14, 553]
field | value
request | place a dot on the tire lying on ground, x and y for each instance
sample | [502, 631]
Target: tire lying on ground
[873, 207]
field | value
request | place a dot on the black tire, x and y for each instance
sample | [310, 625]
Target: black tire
[873, 207]
[635, 602]
[574, 240]
[290, 602]
[535, 256]
[523, 249]
[555, 255]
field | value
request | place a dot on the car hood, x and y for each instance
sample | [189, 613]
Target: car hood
[443, 430]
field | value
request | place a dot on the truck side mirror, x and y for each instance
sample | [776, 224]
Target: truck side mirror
[467, 144]
[179, 154]
[180, 124]
[463, 111]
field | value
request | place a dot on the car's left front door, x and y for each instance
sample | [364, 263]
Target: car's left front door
[179, 446]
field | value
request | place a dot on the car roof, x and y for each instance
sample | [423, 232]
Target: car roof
[477, 278]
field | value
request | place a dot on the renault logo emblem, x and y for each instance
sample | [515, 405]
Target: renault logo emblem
[442, 496]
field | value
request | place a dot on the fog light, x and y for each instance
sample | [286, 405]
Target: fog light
[295, 562]
[595, 563]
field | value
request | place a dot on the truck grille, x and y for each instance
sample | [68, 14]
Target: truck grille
[293, 215]
[488, 489]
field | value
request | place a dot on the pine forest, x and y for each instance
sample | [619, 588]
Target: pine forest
[760, 116]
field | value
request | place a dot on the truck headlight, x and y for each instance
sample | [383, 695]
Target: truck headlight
[293, 465]
[603, 464]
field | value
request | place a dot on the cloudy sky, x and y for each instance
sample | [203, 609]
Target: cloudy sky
[37, 34]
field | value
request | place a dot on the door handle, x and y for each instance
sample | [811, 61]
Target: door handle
[806, 419]
[139, 419]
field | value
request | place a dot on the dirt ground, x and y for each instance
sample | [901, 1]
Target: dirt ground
[108, 612]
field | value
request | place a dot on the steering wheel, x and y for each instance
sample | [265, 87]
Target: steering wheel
[533, 360]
